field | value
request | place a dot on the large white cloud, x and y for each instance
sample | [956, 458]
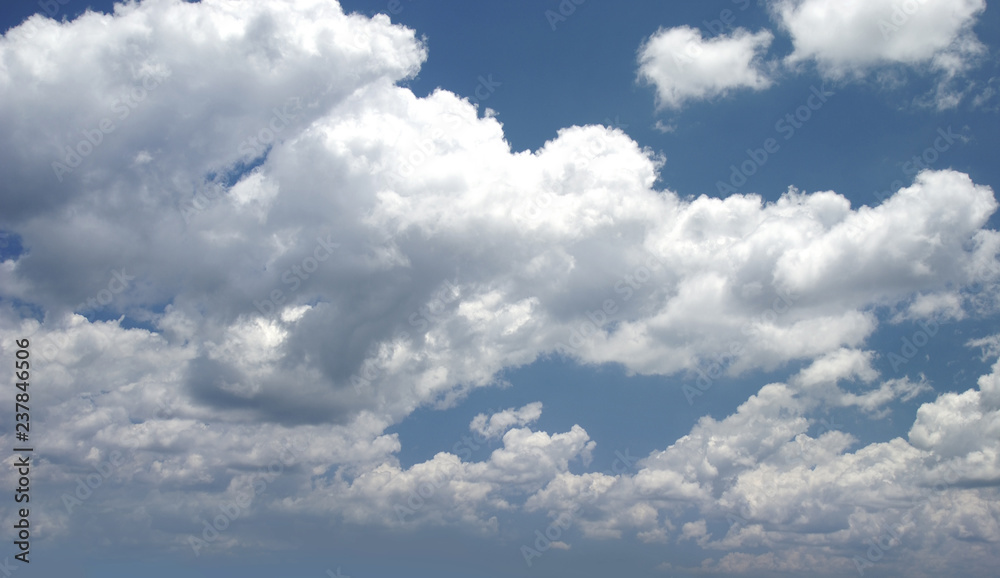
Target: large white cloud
[391, 252]
[684, 66]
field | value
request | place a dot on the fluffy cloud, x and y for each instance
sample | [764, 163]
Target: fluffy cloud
[491, 426]
[851, 38]
[447, 489]
[684, 66]
[808, 496]
[278, 247]
[847, 40]
[944, 305]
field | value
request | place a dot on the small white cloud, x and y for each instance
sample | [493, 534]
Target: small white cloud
[695, 531]
[836, 366]
[293, 314]
[684, 66]
[990, 346]
[664, 128]
[496, 425]
[942, 306]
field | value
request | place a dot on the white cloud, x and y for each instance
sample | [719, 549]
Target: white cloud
[990, 346]
[391, 252]
[447, 490]
[837, 365]
[946, 305]
[810, 500]
[493, 426]
[697, 531]
[853, 37]
[852, 34]
[684, 66]
[662, 128]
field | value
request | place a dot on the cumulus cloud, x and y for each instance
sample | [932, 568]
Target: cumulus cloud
[683, 66]
[946, 305]
[811, 499]
[448, 490]
[493, 426]
[278, 246]
[852, 38]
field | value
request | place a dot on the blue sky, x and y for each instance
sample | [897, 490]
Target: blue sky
[661, 280]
